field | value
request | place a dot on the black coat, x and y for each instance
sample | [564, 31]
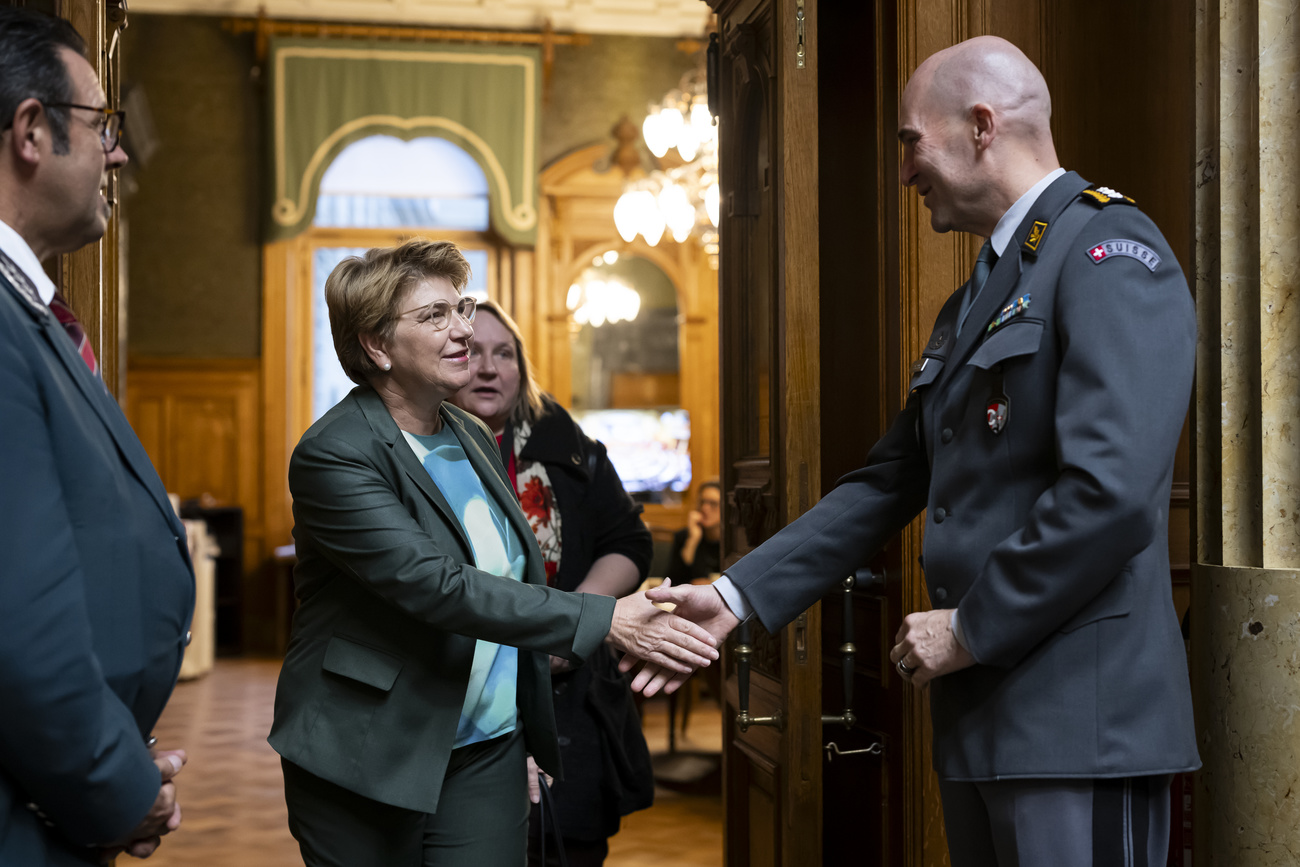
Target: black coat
[606, 762]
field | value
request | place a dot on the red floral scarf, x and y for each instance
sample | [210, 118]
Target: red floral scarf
[533, 487]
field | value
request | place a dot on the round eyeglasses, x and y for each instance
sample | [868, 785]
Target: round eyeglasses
[438, 314]
[110, 122]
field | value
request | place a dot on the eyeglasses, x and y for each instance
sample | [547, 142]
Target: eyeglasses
[110, 123]
[438, 314]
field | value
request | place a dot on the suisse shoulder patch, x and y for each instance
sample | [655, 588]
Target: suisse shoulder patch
[1107, 250]
[1103, 196]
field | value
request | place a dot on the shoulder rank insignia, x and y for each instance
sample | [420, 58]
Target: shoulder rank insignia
[1011, 311]
[1106, 196]
[1035, 236]
[1099, 253]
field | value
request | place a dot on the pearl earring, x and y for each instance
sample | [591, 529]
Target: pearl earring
[387, 366]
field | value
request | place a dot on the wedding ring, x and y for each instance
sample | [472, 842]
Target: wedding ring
[904, 670]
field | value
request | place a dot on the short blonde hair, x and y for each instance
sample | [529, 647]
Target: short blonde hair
[364, 294]
[528, 402]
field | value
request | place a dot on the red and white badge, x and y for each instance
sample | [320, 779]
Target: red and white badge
[998, 409]
[1099, 253]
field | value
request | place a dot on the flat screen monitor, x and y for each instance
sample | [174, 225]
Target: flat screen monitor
[649, 448]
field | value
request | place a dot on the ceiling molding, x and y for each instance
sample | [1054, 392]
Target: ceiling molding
[632, 17]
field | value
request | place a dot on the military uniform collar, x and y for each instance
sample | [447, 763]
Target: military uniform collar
[1006, 227]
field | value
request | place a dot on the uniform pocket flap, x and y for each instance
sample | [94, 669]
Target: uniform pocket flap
[357, 662]
[1018, 337]
[930, 368]
[1115, 601]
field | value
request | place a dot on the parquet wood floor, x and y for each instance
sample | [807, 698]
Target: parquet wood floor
[232, 795]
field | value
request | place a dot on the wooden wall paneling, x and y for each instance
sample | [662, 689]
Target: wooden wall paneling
[198, 419]
[92, 278]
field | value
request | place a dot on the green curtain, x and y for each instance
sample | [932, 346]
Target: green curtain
[326, 94]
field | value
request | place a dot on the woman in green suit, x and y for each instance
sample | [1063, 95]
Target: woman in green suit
[417, 675]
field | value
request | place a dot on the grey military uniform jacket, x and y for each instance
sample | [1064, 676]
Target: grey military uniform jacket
[1041, 442]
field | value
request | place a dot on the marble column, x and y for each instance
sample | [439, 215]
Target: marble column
[1246, 584]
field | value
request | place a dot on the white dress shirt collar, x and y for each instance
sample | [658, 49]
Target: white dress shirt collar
[1011, 220]
[17, 249]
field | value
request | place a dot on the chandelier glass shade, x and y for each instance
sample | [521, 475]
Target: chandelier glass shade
[597, 297]
[683, 198]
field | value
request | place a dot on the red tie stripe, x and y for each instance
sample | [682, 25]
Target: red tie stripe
[62, 312]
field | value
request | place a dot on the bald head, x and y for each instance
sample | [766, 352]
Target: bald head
[974, 122]
[991, 71]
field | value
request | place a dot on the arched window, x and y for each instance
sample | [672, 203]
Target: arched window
[382, 181]
[379, 191]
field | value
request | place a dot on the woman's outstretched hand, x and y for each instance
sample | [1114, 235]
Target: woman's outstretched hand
[645, 632]
[702, 606]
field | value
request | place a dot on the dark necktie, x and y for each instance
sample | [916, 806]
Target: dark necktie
[59, 307]
[978, 277]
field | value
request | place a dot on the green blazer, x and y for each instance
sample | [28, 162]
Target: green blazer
[390, 606]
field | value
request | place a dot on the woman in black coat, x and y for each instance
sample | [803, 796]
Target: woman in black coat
[592, 540]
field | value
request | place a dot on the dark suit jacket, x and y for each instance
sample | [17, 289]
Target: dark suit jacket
[391, 604]
[96, 595]
[1050, 537]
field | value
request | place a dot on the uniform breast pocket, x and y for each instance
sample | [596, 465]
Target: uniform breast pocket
[1015, 339]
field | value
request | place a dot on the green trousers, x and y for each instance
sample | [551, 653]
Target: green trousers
[482, 816]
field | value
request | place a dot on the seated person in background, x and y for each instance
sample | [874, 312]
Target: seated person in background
[696, 549]
[592, 541]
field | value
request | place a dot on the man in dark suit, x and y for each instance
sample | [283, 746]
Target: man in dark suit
[1039, 434]
[96, 587]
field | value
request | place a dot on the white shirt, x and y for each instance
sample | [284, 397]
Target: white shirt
[17, 249]
[1001, 237]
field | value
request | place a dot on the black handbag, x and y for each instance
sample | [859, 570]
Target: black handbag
[547, 807]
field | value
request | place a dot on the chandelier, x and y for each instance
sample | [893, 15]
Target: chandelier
[596, 298]
[682, 198]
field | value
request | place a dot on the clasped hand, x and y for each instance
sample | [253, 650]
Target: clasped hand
[163, 817]
[667, 641]
[699, 607]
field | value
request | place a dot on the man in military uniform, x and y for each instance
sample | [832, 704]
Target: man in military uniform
[96, 588]
[1039, 435]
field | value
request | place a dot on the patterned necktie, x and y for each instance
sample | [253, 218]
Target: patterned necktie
[59, 307]
[978, 277]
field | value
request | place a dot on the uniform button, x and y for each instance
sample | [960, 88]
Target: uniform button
[940, 594]
[189, 636]
[946, 436]
[560, 688]
[576, 460]
[939, 514]
[31, 805]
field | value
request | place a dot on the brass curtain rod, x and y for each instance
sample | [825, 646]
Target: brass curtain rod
[267, 27]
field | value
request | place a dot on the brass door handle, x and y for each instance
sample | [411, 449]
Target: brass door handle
[745, 650]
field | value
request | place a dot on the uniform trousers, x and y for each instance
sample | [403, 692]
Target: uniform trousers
[1062, 823]
[482, 816]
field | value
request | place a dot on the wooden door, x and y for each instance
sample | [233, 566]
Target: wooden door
[816, 337]
[769, 312]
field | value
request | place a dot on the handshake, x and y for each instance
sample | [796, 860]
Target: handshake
[671, 645]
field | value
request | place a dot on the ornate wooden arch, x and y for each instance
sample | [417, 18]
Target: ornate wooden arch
[578, 193]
